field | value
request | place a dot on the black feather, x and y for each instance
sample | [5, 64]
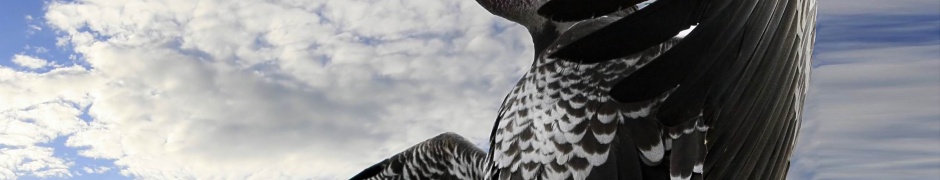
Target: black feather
[639, 31]
[576, 10]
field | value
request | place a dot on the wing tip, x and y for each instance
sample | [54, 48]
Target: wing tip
[371, 171]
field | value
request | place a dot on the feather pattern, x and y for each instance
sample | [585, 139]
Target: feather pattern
[447, 156]
[559, 121]
[623, 97]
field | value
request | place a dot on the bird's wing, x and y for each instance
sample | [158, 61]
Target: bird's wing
[641, 30]
[741, 74]
[575, 10]
[559, 122]
[447, 156]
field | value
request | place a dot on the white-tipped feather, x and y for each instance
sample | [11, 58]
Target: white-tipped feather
[697, 168]
[679, 177]
[654, 154]
[605, 138]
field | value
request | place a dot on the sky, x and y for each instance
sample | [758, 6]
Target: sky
[321, 89]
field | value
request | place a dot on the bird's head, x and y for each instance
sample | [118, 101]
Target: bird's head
[525, 13]
[544, 31]
[519, 11]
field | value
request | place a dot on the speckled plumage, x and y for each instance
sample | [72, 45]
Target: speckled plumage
[622, 97]
[447, 156]
[559, 121]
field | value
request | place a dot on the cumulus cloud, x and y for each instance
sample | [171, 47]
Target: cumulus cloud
[31, 161]
[264, 89]
[29, 61]
[35, 109]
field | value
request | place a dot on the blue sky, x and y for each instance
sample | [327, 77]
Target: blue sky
[872, 110]
[320, 89]
[25, 33]
[21, 36]
[16, 32]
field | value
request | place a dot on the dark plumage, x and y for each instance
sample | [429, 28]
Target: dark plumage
[447, 156]
[576, 10]
[620, 96]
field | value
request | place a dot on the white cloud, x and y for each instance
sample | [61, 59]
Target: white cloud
[31, 161]
[265, 89]
[29, 61]
[23, 130]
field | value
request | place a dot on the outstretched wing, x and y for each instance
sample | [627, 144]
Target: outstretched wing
[447, 156]
[741, 74]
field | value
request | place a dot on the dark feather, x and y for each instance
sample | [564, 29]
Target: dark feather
[576, 10]
[639, 31]
[744, 66]
[447, 156]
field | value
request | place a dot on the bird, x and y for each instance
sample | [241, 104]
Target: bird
[615, 91]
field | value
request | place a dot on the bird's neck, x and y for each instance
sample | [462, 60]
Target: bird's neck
[543, 36]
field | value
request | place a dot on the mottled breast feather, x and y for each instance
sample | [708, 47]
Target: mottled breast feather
[559, 121]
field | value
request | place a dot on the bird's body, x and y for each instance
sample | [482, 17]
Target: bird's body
[722, 103]
[560, 122]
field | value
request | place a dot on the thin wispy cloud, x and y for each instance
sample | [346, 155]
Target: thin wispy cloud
[872, 109]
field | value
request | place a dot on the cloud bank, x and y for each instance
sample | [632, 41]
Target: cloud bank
[256, 89]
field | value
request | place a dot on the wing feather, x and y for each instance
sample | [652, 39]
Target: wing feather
[743, 69]
[447, 156]
[723, 103]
